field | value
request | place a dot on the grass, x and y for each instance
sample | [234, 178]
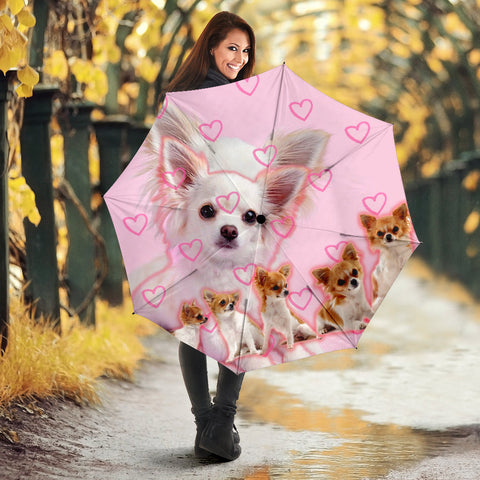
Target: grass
[38, 363]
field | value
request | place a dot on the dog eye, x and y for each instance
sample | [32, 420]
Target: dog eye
[276, 287]
[207, 211]
[355, 272]
[199, 317]
[380, 234]
[341, 283]
[222, 302]
[395, 229]
[249, 217]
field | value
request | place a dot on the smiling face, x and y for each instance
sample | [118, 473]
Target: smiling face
[232, 53]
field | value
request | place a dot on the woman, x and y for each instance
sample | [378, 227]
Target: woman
[224, 52]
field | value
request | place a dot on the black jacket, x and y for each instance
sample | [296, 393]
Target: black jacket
[213, 79]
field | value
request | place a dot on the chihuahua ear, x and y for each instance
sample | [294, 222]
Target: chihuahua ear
[401, 212]
[367, 221]
[186, 309]
[303, 148]
[285, 270]
[208, 296]
[283, 190]
[322, 275]
[349, 253]
[179, 160]
[261, 276]
[236, 297]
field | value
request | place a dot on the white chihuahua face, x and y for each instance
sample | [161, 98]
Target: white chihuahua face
[221, 211]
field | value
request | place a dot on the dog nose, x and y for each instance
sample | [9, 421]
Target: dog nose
[354, 282]
[389, 237]
[229, 232]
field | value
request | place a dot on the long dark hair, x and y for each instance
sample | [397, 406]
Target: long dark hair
[194, 69]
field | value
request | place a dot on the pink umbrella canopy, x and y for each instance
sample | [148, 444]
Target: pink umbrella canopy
[262, 221]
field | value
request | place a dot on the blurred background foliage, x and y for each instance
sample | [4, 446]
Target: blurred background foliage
[413, 63]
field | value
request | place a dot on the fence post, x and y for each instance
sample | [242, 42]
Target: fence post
[40, 241]
[5, 94]
[74, 120]
[111, 136]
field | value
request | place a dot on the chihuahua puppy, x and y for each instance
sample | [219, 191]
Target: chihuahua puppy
[240, 332]
[191, 317]
[347, 306]
[273, 290]
[391, 236]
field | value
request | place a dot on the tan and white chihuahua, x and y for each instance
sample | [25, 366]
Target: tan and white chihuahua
[239, 331]
[276, 315]
[346, 307]
[391, 236]
[191, 317]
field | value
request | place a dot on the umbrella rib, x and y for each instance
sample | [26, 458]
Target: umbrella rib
[241, 336]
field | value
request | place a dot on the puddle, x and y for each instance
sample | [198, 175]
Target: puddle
[366, 450]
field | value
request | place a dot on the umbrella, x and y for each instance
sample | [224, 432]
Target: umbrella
[262, 221]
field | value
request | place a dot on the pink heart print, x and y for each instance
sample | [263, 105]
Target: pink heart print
[174, 179]
[228, 203]
[375, 204]
[209, 330]
[335, 251]
[358, 133]
[320, 181]
[191, 250]
[303, 109]
[136, 224]
[265, 156]
[248, 85]
[211, 131]
[155, 296]
[245, 274]
[283, 227]
[301, 299]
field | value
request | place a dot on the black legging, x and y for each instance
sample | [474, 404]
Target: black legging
[195, 375]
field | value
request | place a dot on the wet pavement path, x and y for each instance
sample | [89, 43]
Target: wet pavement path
[409, 394]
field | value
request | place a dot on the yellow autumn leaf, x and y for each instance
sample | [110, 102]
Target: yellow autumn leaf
[148, 70]
[6, 22]
[56, 65]
[22, 199]
[15, 5]
[472, 222]
[82, 70]
[26, 18]
[24, 90]
[472, 180]
[28, 76]
[6, 61]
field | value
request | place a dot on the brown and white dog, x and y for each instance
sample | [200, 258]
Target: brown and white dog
[346, 306]
[276, 315]
[239, 331]
[391, 236]
[191, 317]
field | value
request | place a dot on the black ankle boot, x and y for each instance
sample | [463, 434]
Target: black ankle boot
[201, 420]
[220, 436]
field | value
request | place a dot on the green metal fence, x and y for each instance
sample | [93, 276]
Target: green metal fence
[445, 210]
